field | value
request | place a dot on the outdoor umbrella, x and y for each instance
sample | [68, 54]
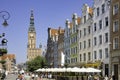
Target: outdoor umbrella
[90, 69]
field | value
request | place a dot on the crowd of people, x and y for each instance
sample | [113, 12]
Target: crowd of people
[27, 76]
[95, 77]
[32, 76]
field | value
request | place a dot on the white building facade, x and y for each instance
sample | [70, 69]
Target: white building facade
[101, 35]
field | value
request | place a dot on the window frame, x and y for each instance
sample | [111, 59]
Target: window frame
[116, 8]
[115, 25]
[116, 43]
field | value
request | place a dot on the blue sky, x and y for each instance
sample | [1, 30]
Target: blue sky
[47, 13]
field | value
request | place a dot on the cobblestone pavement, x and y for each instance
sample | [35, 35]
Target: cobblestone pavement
[14, 76]
[47, 79]
[11, 77]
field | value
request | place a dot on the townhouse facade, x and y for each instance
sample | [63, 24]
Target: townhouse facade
[67, 41]
[85, 37]
[50, 46]
[101, 34]
[71, 40]
[74, 40]
[93, 39]
[61, 57]
[10, 62]
[115, 39]
[54, 47]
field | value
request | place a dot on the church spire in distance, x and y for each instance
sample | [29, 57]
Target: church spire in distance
[32, 28]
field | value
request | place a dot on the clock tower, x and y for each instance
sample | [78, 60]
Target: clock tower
[32, 51]
[31, 33]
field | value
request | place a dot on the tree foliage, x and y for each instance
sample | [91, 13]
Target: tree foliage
[3, 64]
[38, 62]
[3, 51]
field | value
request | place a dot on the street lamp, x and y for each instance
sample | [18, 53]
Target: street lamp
[5, 16]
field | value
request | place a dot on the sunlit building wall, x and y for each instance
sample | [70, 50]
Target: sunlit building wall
[101, 35]
[85, 37]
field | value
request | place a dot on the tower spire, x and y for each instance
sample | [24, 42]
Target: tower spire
[32, 28]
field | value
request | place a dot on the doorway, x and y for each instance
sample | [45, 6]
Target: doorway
[115, 71]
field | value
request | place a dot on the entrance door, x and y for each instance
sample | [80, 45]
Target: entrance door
[107, 69]
[116, 71]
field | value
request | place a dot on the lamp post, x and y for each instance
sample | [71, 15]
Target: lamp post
[5, 16]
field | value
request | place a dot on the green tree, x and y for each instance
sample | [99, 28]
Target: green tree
[3, 51]
[3, 64]
[38, 62]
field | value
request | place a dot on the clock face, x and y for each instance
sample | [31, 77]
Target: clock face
[31, 35]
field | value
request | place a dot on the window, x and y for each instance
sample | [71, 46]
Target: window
[106, 37]
[106, 52]
[89, 31]
[89, 56]
[100, 53]
[100, 24]
[95, 27]
[115, 43]
[89, 43]
[80, 46]
[84, 31]
[84, 44]
[84, 19]
[80, 57]
[115, 26]
[103, 8]
[98, 11]
[76, 50]
[80, 33]
[74, 29]
[84, 57]
[115, 9]
[95, 41]
[100, 39]
[95, 55]
[106, 21]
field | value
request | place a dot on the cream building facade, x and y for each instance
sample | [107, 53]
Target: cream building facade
[10, 62]
[85, 36]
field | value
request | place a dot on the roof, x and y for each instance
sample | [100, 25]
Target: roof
[54, 32]
[10, 56]
[91, 11]
[78, 20]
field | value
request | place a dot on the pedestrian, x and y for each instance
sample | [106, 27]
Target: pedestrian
[110, 78]
[89, 77]
[3, 76]
[33, 76]
[18, 78]
[82, 78]
[36, 76]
